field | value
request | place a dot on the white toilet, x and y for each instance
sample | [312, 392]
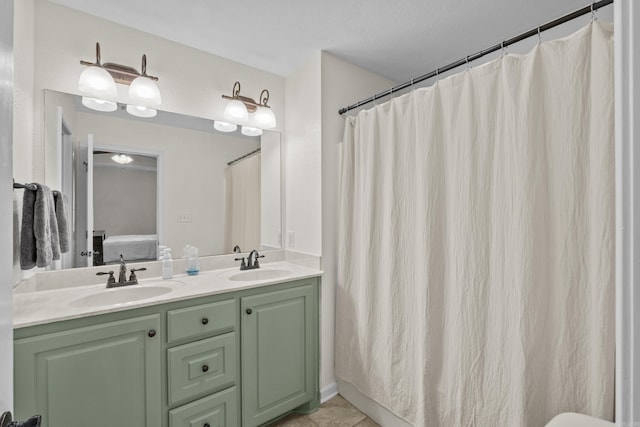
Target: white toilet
[570, 419]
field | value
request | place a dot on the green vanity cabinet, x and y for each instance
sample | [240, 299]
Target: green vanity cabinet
[279, 352]
[98, 375]
[241, 358]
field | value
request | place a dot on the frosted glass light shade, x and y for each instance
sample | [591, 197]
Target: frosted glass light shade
[123, 159]
[141, 111]
[144, 91]
[97, 83]
[264, 118]
[235, 111]
[224, 126]
[251, 131]
[99, 104]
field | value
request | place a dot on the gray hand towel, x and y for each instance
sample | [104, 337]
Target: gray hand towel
[45, 228]
[27, 237]
[61, 216]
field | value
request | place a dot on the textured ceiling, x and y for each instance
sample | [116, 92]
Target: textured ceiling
[398, 39]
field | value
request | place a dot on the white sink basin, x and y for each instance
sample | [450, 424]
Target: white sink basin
[259, 274]
[119, 296]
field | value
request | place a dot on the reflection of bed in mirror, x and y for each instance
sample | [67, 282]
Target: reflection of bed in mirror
[135, 247]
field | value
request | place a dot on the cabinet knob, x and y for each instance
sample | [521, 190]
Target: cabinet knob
[249, 311]
[206, 425]
[152, 333]
[205, 320]
[205, 368]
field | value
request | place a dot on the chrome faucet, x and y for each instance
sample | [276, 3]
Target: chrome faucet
[255, 263]
[122, 276]
[252, 261]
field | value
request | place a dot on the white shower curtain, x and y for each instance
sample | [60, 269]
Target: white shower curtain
[242, 205]
[476, 242]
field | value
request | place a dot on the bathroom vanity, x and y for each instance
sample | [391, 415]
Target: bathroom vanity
[213, 351]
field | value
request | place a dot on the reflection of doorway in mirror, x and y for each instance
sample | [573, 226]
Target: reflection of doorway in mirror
[83, 201]
[65, 178]
[126, 198]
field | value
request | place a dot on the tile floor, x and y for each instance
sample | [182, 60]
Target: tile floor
[336, 412]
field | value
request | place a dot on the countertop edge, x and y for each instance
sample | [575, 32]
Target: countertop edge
[188, 289]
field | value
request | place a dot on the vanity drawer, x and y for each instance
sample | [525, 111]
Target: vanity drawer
[217, 410]
[201, 367]
[201, 320]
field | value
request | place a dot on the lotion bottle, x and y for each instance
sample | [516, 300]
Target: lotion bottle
[167, 264]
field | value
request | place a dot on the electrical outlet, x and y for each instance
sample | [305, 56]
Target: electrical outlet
[185, 217]
[290, 239]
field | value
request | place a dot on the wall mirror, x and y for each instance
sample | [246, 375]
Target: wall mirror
[133, 183]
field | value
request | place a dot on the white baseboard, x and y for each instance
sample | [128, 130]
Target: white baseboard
[328, 392]
[372, 409]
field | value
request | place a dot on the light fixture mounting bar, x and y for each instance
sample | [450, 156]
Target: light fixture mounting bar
[122, 74]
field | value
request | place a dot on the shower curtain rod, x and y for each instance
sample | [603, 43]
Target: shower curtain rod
[566, 18]
[244, 157]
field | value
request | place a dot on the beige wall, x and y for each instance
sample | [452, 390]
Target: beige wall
[303, 167]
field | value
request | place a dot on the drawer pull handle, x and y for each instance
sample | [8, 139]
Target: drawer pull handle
[249, 311]
[205, 320]
[205, 368]
[152, 333]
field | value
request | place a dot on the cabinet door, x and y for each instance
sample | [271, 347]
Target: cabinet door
[101, 376]
[278, 344]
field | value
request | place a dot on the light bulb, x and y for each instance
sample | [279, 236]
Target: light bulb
[264, 118]
[99, 104]
[236, 111]
[224, 126]
[144, 91]
[96, 82]
[251, 131]
[141, 111]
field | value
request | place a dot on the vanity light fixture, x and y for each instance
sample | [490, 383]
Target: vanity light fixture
[143, 90]
[123, 159]
[97, 84]
[251, 131]
[99, 104]
[224, 126]
[141, 111]
[239, 107]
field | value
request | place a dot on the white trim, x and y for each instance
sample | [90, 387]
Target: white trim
[6, 204]
[372, 409]
[160, 165]
[114, 165]
[328, 392]
[627, 107]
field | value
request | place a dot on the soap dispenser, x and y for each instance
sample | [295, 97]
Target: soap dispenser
[167, 264]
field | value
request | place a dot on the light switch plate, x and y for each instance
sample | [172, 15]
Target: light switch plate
[185, 217]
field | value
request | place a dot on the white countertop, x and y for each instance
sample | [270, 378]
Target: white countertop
[46, 306]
